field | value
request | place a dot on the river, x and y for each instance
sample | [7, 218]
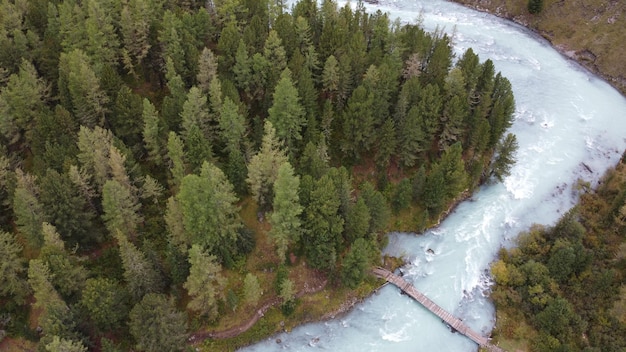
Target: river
[569, 125]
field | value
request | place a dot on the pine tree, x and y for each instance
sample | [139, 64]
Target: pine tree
[67, 274]
[105, 302]
[125, 119]
[121, 208]
[504, 157]
[263, 167]
[136, 18]
[330, 76]
[276, 55]
[94, 147]
[86, 98]
[242, 68]
[12, 269]
[323, 225]
[151, 132]
[232, 125]
[205, 283]
[210, 216]
[252, 289]
[175, 154]
[285, 218]
[28, 210]
[357, 221]
[102, 40]
[453, 169]
[286, 113]
[157, 325]
[207, 70]
[378, 207]
[140, 276]
[21, 100]
[62, 345]
[387, 143]
[358, 123]
[411, 138]
[356, 263]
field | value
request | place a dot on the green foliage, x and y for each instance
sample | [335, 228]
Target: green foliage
[286, 113]
[535, 6]
[12, 269]
[121, 208]
[157, 325]
[356, 263]
[263, 167]
[252, 289]
[209, 214]
[323, 225]
[140, 275]
[205, 283]
[62, 345]
[105, 302]
[285, 219]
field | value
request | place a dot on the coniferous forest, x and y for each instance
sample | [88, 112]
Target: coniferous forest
[166, 166]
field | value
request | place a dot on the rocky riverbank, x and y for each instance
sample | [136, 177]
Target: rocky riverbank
[590, 32]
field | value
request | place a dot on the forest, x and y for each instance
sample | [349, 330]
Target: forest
[562, 287]
[167, 166]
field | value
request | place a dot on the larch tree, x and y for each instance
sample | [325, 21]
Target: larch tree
[252, 289]
[105, 300]
[207, 70]
[135, 21]
[275, 54]
[205, 283]
[86, 98]
[21, 100]
[194, 111]
[209, 211]
[94, 146]
[140, 275]
[28, 210]
[152, 132]
[263, 167]
[12, 269]
[287, 114]
[175, 153]
[67, 274]
[285, 219]
[102, 40]
[157, 325]
[121, 208]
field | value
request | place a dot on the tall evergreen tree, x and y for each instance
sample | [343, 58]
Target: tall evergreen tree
[140, 275]
[285, 218]
[121, 208]
[105, 301]
[157, 325]
[358, 123]
[323, 225]
[28, 210]
[356, 263]
[287, 114]
[504, 157]
[175, 154]
[205, 283]
[12, 269]
[263, 167]
[152, 132]
[209, 214]
[252, 289]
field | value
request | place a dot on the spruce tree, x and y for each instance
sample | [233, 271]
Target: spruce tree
[286, 113]
[157, 325]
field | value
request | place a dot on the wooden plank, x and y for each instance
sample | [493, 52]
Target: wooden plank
[456, 323]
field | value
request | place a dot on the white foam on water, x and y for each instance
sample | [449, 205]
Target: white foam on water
[567, 121]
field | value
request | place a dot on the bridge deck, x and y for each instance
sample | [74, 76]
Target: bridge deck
[450, 319]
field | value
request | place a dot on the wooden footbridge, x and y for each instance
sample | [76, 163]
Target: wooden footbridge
[450, 319]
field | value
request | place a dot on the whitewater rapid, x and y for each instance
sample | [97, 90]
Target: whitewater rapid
[569, 125]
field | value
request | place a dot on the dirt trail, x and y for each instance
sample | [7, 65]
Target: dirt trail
[237, 330]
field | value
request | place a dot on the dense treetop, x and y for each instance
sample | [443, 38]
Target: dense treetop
[133, 132]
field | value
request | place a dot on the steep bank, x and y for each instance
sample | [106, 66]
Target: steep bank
[590, 32]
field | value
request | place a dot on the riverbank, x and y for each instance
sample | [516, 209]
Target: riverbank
[591, 33]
